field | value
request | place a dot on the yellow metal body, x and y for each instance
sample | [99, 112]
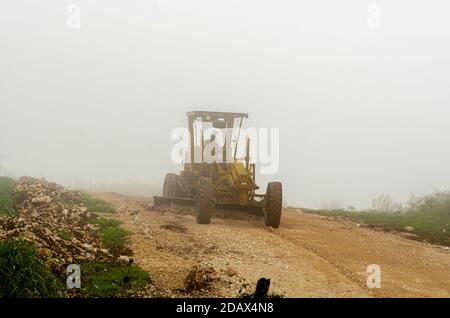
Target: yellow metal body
[234, 183]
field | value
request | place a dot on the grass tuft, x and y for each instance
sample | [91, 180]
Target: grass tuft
[93, 204]
[103, 280]
[103, 223]
[96, 205]
[7, 196]
[115, 238]
[65, 235]
[23, 274]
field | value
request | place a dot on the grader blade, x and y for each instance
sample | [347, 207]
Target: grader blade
[158, 200]
[255, 210]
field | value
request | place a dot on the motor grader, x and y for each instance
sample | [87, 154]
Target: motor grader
[226, 182]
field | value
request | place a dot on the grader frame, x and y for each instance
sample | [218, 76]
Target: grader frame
[228, 183]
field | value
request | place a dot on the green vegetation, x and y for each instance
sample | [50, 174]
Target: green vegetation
[106, 280]
[65, 235]
[93, 204]
[428, 217]
[115, 238]
[23, 273]
[104, 223]
[7, 196]
[103, 280]
[96, 205]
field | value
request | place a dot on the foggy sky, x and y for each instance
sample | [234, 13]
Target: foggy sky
[361, 111]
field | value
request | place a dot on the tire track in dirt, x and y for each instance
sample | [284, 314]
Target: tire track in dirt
[408, 268]
[308, 256]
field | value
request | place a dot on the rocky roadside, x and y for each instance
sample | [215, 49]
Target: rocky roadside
[184, 258]
[56, 222]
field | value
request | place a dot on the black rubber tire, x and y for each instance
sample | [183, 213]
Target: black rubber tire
[181, 189]
[170, 185]
[205, 200]
[273, 204]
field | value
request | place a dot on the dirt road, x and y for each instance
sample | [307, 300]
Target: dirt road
[308, 256]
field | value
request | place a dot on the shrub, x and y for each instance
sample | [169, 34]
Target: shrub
[427, 216]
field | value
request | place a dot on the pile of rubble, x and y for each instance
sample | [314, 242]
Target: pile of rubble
[56, 221]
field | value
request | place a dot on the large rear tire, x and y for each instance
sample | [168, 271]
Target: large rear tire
[205, 200]
[182, 188]
[170, 185]
[174, 186]
[273, 204]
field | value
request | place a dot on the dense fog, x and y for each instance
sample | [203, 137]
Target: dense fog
[91, 92]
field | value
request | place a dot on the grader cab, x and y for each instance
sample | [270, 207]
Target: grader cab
[212, 175]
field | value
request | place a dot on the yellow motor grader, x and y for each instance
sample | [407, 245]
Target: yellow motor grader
[225, 182]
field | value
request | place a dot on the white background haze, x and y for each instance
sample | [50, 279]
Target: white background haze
[361, 110]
